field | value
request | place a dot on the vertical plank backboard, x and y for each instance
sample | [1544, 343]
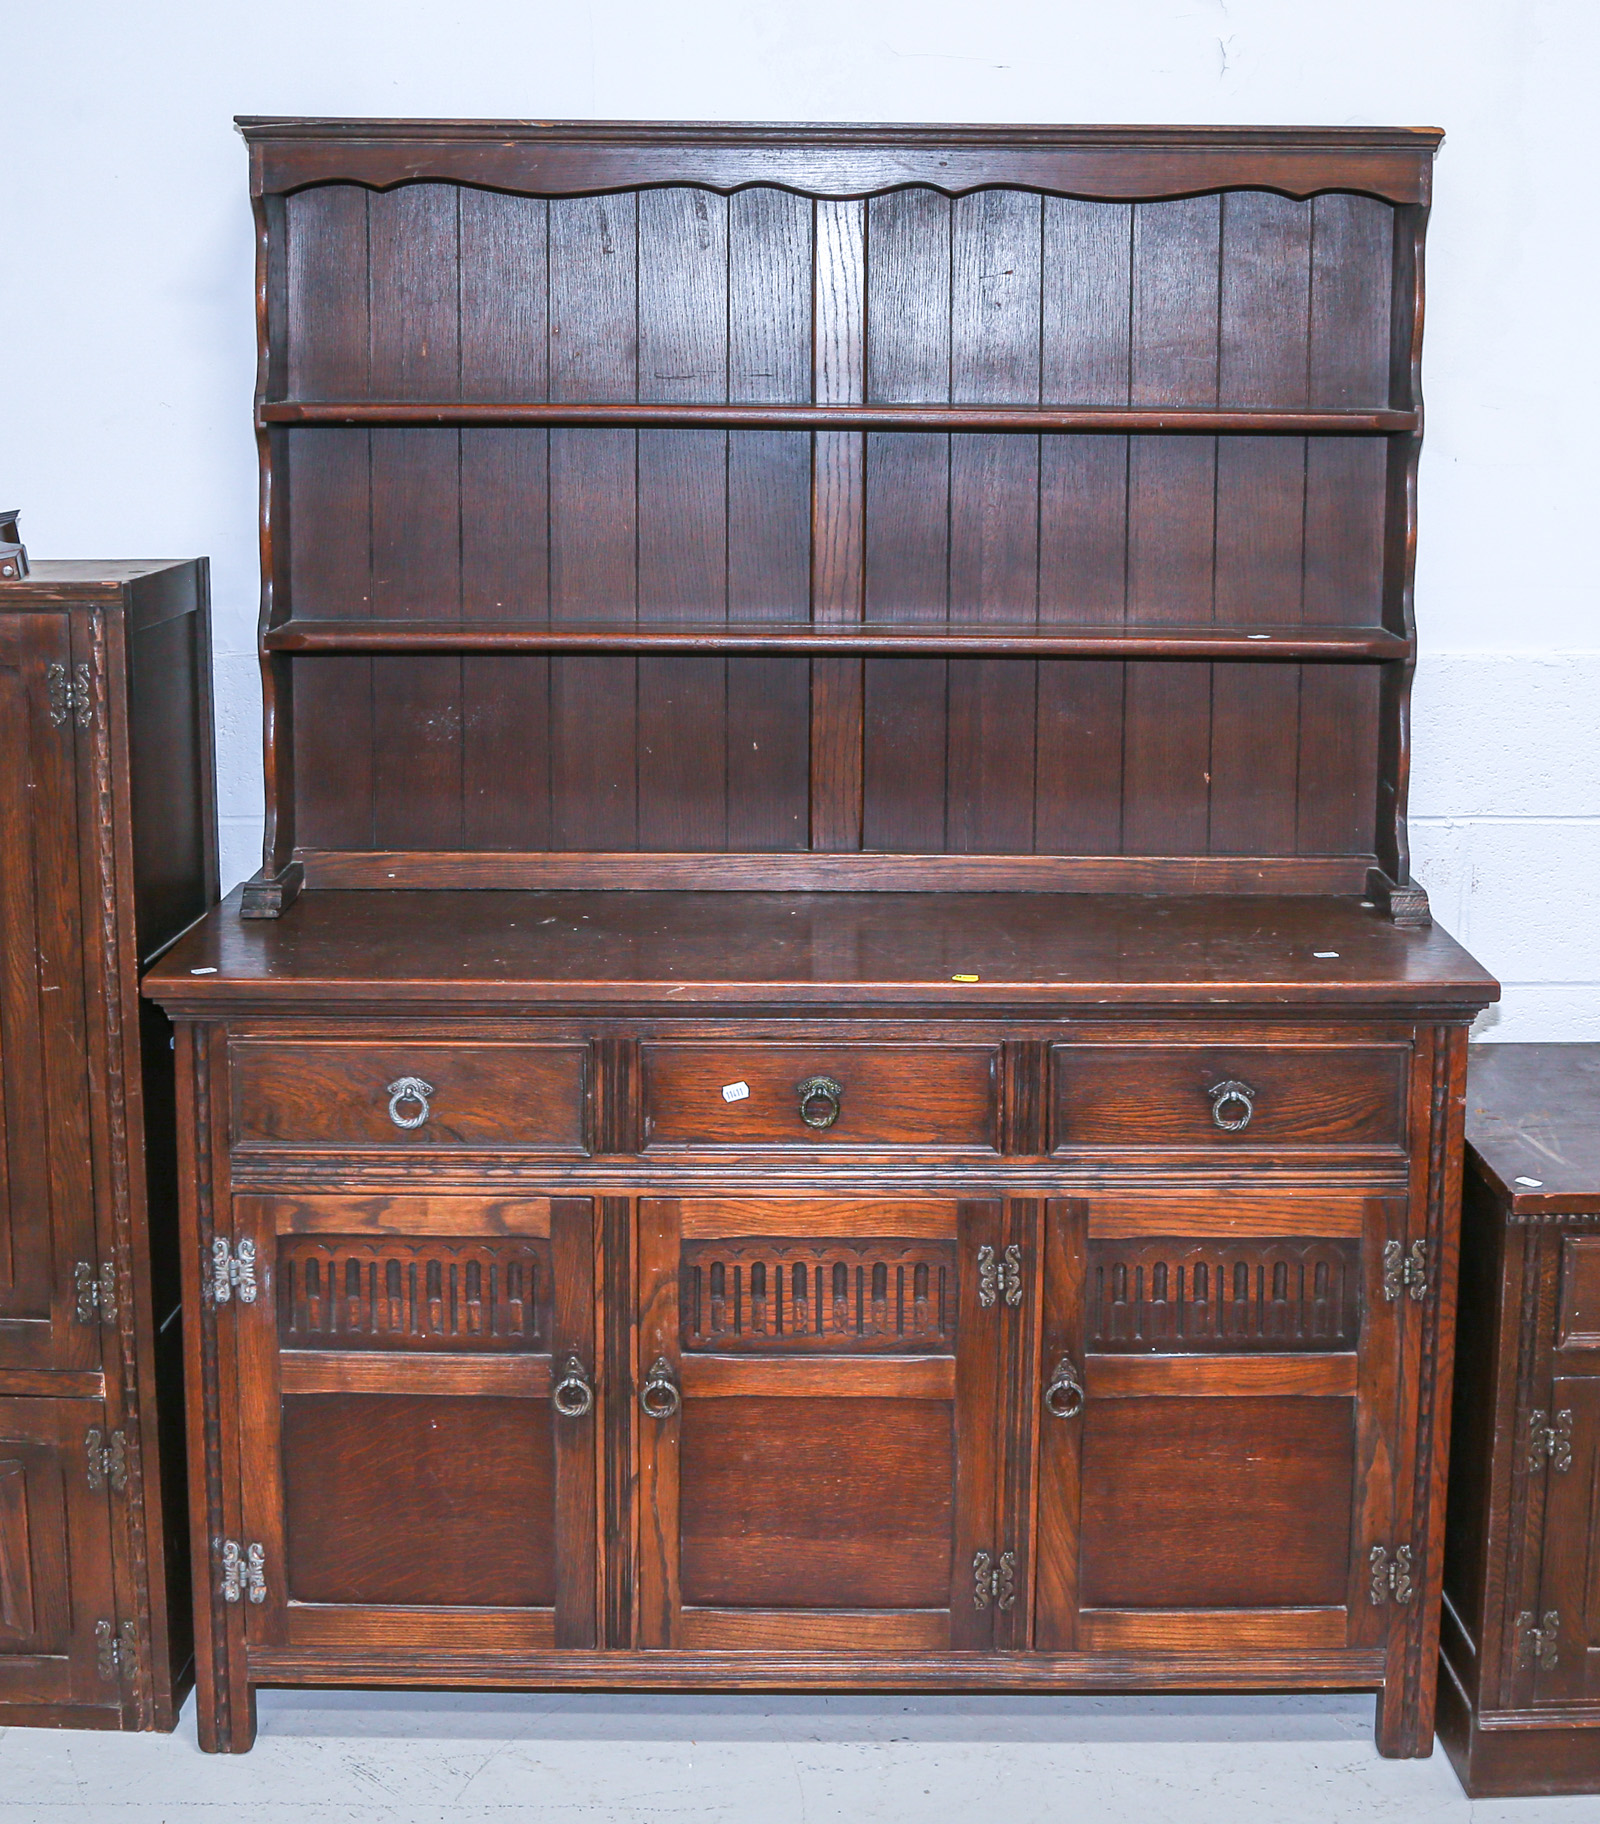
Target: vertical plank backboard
[683, 517]
[1171, 523]
[1351, 278]
[505, 518]
[1087, 284]
[837, 514]
[328, 489]
[908, 519]
[593, 519]
[994, 517]
[414, 246]
[1264, 333]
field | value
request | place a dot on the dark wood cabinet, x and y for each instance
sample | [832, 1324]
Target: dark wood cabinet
[106, 854]
[1520, 1677]
[834, 1077]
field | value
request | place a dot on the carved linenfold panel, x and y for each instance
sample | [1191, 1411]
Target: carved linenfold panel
[1179, 1294]
[399, 1292]
[767, 1293]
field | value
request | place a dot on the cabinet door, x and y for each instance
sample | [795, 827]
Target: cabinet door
[417, 1421]
[1558, 1645]
[57, 1613]
[46, 1194]
[820, 1426]
[1216, 1430]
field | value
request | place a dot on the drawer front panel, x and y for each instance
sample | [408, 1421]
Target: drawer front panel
[943, 1098]
[1298, 1098]
[382, 1094]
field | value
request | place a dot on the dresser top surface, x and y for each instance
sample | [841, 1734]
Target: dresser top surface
[838, 950]
[54, 582]
[1533, 1124]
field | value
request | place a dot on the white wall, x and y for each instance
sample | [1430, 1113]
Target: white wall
[126, 327]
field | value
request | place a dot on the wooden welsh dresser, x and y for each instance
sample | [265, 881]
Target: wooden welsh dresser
[834, 1076]
[107, 852]
[1519, 1688]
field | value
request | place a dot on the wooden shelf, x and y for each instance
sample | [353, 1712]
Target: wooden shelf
[1314, 643]
[1198, 420]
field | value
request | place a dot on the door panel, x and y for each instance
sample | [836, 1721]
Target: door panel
[55, 1557]
[46, 1193]
[820, 1442]
[417, 1444]
[1216, 1431]
[1564, 1663]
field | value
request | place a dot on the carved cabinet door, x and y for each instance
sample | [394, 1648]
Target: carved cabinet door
[417, 1422]
[1217, 1424]
[48, 1263]
[820, 1416]
[1558, 1643]
[58, 1631]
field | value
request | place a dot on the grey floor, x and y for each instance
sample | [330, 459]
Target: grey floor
[336, 1758]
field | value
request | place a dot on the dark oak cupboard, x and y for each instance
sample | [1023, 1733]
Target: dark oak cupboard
[1519, 1683]
[106, 854]
[834, 1076]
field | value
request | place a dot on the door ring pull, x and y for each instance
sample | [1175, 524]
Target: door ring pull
[572, 1395]
[659, 1395]
[1063, 1395]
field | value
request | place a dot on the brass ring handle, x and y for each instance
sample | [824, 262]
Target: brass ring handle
[819, 1089]
[1239, 1097]
[659, 1395]
[1063, 1396]
[409, 1089]
[572, 1395]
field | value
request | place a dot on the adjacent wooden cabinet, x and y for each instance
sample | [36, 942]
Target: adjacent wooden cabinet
[106, 854]
[1520, 1646]
[834, 1077]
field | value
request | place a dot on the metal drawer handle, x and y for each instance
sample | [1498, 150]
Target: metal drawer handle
[1232, 1105]
[573, 1395]
[409, 1089]
[825, 1091]
[1063, 1395]
[659, 1395]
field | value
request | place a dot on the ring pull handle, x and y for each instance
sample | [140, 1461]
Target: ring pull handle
[1063, 1394]
[659, 1395]
[819, 1101]
[1232, 1105]
[409, 1089]
[572, 1395]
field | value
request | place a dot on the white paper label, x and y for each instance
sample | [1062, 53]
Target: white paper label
[1531, 1184]
[735, 1092]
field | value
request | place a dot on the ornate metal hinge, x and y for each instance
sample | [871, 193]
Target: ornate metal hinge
[1390, 1577]
[115, 1648]
[1403, 1269]
[1552, 1441]
[999, 1276]
[94, 1293]
[1539, 1643]
[244, 1571]
[233, 1268]
[992, 1582]
[105, 1460]
[70, 695]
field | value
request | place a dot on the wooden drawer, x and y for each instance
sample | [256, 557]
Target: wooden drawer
[928, 1097]
[351, 1094]
[1174, 1097]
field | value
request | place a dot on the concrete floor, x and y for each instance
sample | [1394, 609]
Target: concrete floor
[425, 1758]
